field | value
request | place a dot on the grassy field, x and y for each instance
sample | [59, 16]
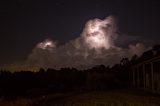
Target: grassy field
[100, 98]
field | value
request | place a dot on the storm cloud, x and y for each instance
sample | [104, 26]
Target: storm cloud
[96, 45]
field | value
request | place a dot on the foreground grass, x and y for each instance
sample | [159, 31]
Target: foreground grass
[99, 98]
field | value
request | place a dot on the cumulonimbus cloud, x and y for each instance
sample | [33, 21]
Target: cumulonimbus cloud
[94, 46]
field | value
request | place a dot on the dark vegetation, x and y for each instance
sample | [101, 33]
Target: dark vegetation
[43, 82]
[33, 84]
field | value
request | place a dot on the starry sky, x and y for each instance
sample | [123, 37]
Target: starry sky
[24, 23]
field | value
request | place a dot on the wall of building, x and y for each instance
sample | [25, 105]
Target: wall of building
[146, 75]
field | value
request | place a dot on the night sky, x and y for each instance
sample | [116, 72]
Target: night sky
[24, 23]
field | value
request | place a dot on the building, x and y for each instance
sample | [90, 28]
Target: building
[146, 70]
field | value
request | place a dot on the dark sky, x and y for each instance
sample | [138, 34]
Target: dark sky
[24, 23]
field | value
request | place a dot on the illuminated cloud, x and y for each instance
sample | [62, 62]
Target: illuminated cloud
[94, 46]
[98, 33]
[47, 44]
